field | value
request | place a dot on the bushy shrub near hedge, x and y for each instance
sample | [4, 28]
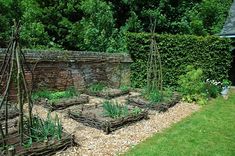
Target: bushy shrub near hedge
[211, 54]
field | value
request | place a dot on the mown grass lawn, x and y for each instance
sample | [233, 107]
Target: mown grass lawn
[209, 132]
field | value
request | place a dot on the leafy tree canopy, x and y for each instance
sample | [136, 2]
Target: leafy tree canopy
[100, 25]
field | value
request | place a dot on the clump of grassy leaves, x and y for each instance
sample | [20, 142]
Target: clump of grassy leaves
[115, 110]
[155, 96]
[96, 87]
[44, 130]
[54, 96]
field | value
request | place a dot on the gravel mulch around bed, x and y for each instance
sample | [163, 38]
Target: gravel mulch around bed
[95, 142]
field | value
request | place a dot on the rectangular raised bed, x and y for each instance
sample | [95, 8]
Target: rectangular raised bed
[161, 106]
[108, 93]
[90, 116]
[38, 148]
[65, 103]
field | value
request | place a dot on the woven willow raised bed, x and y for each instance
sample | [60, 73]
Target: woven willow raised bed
[108, 93]
[92, 116]
[64, 103]
[45, 148]
[161, 106]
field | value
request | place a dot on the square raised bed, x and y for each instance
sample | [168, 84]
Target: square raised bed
[93, 116]
[161, 106]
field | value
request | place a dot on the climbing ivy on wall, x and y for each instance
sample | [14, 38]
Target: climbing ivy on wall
[210, 53]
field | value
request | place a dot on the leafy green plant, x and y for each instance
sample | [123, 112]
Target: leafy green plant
[124, 88]
[192, 85]
[136, 111]
[41, 130]
[226, 83]
[96, 87]
[54, 96]
[213, 88]
[114, 110]
[153, 95]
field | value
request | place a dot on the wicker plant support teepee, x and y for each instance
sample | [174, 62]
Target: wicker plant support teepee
[12, 73]
[154, 65]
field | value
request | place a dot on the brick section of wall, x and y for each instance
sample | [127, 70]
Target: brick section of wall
[61, 69]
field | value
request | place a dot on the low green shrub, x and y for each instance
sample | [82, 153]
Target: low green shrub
[192, 85]
[213, 88]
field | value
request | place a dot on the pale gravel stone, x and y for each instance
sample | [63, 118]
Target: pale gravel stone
[95, 142]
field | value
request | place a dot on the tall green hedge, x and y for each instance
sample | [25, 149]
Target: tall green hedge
[210, 53]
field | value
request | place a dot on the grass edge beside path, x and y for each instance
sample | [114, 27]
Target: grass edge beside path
[210, 131]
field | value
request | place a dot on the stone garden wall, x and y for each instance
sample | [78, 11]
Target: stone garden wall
[61, 69]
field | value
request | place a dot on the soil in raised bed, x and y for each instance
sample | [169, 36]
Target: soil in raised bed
[162, 106]
[108, 93]
[93, 116]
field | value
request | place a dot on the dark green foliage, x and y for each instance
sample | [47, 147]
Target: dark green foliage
[211, 54]
[53, 96]
[153, 95]
[100, 25]
[96, 87]
[212, 90]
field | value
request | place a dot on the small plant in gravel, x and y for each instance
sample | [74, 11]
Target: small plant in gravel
[97, 87]
[54, 96]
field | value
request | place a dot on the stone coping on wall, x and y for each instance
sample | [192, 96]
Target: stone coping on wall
[71, 56]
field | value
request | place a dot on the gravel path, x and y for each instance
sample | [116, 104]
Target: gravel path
[94, 142]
